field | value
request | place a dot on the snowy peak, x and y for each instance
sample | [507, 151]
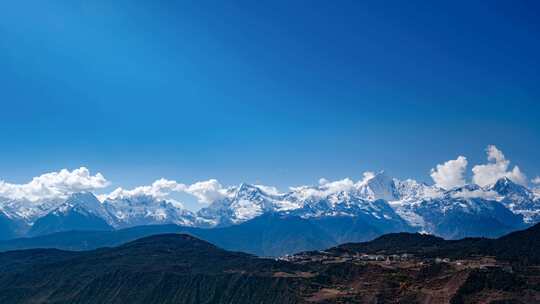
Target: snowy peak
[518, 199]
[377, 199]
[380, 186]
[243, 203]
[464, 191]
[411, 190]
[147, 210]
[83, 200]
[248, 201]
[28, 211]
[505, 186]
[410, 200]
[469, 210]
[80, 211]
[126, 211]
[249, 192]
[84, 203]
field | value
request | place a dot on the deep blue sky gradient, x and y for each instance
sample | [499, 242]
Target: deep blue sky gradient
[280, 93]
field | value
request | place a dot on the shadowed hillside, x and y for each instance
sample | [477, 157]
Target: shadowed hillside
[168, 268]
[179, 268]
[267, 235]
[520, 246]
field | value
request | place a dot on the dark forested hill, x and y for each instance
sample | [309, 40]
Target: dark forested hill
[180, 268]
[170, 268]
[523, 246]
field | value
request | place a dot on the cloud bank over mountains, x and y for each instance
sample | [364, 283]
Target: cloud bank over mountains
[57, 185]
[451, 207]
[54, 185]
[205, 191]
[496, 168]
[451, 174]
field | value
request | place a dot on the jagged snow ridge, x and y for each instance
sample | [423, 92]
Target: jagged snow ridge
[28, 211]
[370, 196]
[149, 210]
[518, 199]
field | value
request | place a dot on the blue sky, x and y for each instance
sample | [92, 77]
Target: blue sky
[278, 93]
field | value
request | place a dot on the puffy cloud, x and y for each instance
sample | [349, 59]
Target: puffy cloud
[205, 191]
[269, 189]
[338, 186]
[158, 189]
[323, 181]
[496, 168]
[325, 188]
[536, 180]
[479, 193]
[366, 176]
[54, 185]
[450, 174]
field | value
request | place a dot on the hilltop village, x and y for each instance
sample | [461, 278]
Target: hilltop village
[403, 260]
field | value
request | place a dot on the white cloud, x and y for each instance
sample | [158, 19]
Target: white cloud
[338, 186]
[488, 195]
[325, 188]
[536, 180]
[366, 177]
[54, 185]
[496, 168]
[269, 189]
[158, 189]
[450, 174]
[323, 181]
[205, 191]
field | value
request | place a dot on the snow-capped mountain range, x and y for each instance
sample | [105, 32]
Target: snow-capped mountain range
[383, 202]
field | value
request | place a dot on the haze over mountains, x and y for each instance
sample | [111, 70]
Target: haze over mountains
[497, 202]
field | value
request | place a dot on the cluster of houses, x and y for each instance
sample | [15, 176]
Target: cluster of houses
[482, 263]
[323, 256]
[380, 257]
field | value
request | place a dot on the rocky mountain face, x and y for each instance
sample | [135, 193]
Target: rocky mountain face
[393, 205]
[81, 211]
[518, 199]
[147, 210]
[377, 205]
[459, 213]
